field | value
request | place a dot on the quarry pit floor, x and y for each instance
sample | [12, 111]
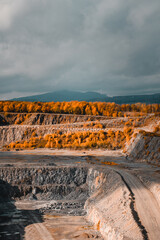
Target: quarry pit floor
[24, 219]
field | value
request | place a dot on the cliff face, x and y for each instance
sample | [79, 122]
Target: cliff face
[43, 183]
[15, 133]
[50, 182]
[42, 119]
[145, 148]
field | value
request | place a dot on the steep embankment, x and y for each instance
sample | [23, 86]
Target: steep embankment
[43, 183]
[108, 205]
[38, 137]
[145, 146]
[15, 133]
[43, 119]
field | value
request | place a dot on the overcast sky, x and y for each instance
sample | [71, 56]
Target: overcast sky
[110, 46]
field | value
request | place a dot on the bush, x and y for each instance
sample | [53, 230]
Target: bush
[77, 140]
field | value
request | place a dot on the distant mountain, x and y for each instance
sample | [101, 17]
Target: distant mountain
[148, 99]
[60, 96]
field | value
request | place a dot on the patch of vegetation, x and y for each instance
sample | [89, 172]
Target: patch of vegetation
[78, 140]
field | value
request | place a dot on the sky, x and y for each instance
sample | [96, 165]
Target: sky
[108, 46]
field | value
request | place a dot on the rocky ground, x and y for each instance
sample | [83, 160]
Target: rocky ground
[77, 195]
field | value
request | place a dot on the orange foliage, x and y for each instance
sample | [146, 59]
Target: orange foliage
[78, 140]
[75, 107]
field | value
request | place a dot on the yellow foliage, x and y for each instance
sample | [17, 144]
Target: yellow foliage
[75, 107]
[76, 140]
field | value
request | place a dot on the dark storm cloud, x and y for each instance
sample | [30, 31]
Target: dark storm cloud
[111, 46]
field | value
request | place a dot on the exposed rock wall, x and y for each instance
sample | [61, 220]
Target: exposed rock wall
[43, 119]
[15, 133]
[45, 183]
[145, 148]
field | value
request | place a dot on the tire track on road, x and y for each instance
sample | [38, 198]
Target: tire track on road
[146, 206]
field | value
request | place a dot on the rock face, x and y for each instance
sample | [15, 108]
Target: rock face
[106, 197]
[44, 183]
[145, 148]
[15, 133]
[42, 119]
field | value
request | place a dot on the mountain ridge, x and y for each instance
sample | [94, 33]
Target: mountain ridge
[65, 95]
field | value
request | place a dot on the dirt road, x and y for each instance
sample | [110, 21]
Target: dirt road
[37, 230]
[145, 205]
[60, 228]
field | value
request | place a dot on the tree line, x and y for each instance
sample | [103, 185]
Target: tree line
[76, 107]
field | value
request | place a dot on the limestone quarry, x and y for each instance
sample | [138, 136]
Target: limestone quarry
[78, 194]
